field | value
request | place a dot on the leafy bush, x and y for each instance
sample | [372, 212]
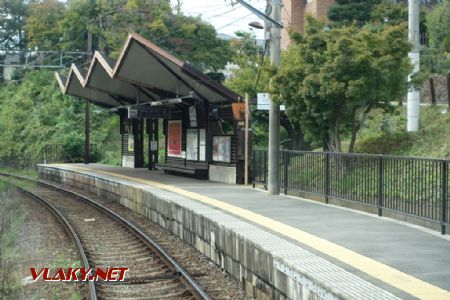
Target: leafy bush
[34, 113]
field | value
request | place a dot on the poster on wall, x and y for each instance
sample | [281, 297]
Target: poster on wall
[192, 144]
[174, 139]
[221, 151]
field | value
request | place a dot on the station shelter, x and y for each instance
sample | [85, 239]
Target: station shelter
[148, 88]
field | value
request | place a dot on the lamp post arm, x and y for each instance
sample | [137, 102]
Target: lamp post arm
[260, 14]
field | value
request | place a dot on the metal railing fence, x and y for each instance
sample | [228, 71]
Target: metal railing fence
[19, 164]
[54, 153]
[416, 187]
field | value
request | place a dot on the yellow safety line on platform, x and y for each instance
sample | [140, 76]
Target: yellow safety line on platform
[400, 280]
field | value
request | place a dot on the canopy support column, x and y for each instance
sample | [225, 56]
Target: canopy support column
[138, 134]
[87, 125]
[153, 138]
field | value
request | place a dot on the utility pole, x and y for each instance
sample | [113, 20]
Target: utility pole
[87, 113]
[274, 7]
[246, 156]
[274, 110]
[178, 7]
[413, 104]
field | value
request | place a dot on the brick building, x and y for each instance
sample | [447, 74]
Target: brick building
[294, 12]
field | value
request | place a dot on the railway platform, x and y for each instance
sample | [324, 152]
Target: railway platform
[279, 246]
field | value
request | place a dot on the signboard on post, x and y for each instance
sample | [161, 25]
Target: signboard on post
[145, 112]
[153, 145]
[174, 139]
[263, 102]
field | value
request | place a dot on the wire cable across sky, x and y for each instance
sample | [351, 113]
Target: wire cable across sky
[219, 12]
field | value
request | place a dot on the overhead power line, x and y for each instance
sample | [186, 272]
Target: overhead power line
[231, 23]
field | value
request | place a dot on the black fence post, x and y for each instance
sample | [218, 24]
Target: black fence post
[380, 186]
[254, 169]
[444, 196]
[286, 169]
[265, 169]
[326, 185]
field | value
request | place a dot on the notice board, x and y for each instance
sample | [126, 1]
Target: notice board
[221, 148]
[192, 144]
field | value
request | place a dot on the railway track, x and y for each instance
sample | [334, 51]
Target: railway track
[105, 239]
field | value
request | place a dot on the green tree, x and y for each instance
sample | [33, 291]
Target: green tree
[51, 25]
[110, 21]
[390, 12]
[12, 14]
[43, 24]
[252, 76]
[34, 113]
[332, 79]
[189, 38]
[438, 23]
[348, 11]
[248, 56]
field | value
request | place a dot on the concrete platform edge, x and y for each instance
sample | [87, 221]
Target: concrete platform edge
[268, 266]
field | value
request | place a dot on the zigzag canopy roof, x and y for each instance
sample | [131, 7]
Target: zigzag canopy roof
[73, 86]
[144, 72]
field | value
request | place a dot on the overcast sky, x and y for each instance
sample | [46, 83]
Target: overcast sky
[223, 16]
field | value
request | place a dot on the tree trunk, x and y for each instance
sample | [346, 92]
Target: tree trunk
[296, 137]
[326, 145]
[337, 133]
[300, 139]
[356, 126]
[351, 147]
[448, 90]
[432, 91]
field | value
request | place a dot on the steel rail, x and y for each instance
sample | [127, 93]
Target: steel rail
[191, 283]
[68, 227]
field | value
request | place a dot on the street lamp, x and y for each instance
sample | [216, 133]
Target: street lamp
[256, 25]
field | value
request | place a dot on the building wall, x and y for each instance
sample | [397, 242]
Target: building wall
[322, 8]
[294, 12]
[292, 16]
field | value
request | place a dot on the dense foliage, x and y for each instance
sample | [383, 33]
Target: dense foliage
[438, 22]
[53, 25]
[249, 58]
[361, 12]
[12, 20]
[334, 78]
[347, 11]
[252, 77]
[34, 113]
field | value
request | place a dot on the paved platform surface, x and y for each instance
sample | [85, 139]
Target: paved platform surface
[406, 260]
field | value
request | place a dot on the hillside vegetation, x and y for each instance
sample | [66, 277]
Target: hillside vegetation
[386, 134]
[34, 113]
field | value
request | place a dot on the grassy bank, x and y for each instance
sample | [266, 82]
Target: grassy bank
[386, 134]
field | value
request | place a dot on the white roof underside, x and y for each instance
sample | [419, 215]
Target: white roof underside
[144, 72]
